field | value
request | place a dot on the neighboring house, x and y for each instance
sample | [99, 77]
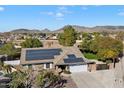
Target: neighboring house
[12, 62]
[66, 58]
[17, 46]
[52, 37]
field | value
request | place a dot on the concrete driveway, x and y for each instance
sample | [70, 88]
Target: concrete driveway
[98, 79]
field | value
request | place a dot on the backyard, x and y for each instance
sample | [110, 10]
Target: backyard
[89, 55]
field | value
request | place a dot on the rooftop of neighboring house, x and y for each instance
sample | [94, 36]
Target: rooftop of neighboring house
[58, 56]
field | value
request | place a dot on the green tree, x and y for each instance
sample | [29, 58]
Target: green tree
[47, 79]
[18, 80]
[1, 65]
[6, 68]
[8, 49]
[105, 47]
[86, 41]
[61, 39]
[31, 43]
[108, 54]
[21, 79]
[120, 36]
[68, 38]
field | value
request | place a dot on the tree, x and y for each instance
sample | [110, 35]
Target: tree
[68, 38]
[105, 47]
[18, 80]
[120, 36]
[8, 49]
[48, 79]
[61, 39]
[86, 38]
[108, 54]
[6, 68]
[31, 43]
[21, 79]
[27, 79]
[1, 65]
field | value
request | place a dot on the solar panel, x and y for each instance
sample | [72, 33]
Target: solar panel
[42, 54]
[43, 51]
[39, 57]
[71, 56]
[73, 60]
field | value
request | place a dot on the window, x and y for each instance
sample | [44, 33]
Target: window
[47, 65]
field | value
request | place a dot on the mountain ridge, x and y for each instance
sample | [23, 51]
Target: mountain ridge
[76, 27]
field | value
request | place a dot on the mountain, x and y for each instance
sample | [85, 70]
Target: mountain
[31, 31]
[25, 31]
[93, 29]
[76, 27]
[45, 31]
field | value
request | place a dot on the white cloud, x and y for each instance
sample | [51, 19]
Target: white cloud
[48, 13]
[59, 14]
[121, 13]
[62, 8]
[2, 9]
[84, 8]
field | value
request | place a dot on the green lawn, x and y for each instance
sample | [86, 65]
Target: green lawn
[90, 56]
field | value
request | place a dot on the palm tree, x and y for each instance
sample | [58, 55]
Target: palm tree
[18, 80]
[47, 79]
[7, 68]
[1, 65]
[21, 79]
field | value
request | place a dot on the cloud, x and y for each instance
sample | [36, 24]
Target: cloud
[84, 8]
[59, 14]
[2, 9]
[121, 13]
[48, 13]
[62, 8]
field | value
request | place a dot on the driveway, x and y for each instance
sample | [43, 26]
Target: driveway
[98, 79]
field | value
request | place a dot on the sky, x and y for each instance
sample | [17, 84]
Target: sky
[54, 16]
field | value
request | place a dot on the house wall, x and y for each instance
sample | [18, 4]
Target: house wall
[38, 66]
[12, 62]
[78, 68]
[51, 66]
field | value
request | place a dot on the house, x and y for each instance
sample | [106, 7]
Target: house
[65, 58]
[12, 62]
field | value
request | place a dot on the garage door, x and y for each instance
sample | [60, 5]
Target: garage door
[78, 68]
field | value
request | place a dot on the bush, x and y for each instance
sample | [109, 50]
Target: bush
[90, 55]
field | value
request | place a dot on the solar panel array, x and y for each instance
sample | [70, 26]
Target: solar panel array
[73, 59]
[71, 56]
[42, 54]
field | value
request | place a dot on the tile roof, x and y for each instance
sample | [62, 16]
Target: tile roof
[64, 58]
